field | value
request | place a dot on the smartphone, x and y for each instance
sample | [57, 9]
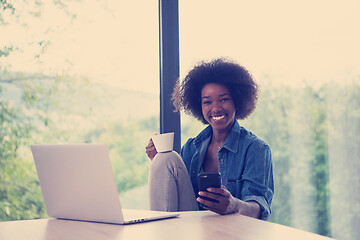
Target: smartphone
[206, 180]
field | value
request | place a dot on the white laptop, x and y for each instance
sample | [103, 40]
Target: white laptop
[77, 183]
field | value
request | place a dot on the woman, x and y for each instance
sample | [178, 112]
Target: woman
[217, 93]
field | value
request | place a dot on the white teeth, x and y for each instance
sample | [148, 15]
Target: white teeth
[218, 118]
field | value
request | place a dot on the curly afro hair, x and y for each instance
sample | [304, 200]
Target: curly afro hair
[241, 85]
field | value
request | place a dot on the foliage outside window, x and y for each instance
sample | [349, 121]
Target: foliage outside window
[305, 57]
[60, 83]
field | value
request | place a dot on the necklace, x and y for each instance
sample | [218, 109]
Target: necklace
[217, 144]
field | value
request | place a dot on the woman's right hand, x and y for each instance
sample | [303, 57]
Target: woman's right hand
[151, 150]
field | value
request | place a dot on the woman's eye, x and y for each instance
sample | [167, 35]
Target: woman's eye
[206, 102]
[224, 99]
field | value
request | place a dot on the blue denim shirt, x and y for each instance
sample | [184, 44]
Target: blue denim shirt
[245, 165]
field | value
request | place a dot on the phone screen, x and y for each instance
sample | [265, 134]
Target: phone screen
[206, 180]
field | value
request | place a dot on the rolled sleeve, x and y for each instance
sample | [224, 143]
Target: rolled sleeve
[258, 179]
[264, 206]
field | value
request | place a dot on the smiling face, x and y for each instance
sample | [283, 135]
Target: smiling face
[218, 107]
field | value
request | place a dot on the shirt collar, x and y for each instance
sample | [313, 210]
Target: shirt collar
[232, 141]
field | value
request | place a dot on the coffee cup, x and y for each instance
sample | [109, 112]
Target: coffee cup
[164, 142]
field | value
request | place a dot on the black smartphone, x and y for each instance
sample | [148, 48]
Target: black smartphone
[206, 180]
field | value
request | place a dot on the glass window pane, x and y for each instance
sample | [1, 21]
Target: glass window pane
[76, 72]
[305, 56]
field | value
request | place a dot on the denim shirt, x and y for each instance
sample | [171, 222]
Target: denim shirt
[245, 165]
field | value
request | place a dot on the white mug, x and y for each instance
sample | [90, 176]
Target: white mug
[164, 142]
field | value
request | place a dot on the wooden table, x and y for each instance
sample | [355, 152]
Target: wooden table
[190, 225]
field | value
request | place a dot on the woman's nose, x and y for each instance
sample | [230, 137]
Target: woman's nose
[216, 106]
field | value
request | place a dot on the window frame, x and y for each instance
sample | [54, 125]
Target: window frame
[169, 67]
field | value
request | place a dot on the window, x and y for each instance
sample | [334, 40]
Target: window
[304, 55]
[75, 72]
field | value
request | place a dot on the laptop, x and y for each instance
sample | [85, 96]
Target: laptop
[77, 183]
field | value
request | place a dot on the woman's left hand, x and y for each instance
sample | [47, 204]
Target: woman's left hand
[225, 204]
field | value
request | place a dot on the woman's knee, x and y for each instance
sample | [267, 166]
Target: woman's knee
[167, 159]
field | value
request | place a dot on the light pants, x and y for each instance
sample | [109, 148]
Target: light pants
[170, 188]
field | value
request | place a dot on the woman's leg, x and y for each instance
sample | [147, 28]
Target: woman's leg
[170, 188]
